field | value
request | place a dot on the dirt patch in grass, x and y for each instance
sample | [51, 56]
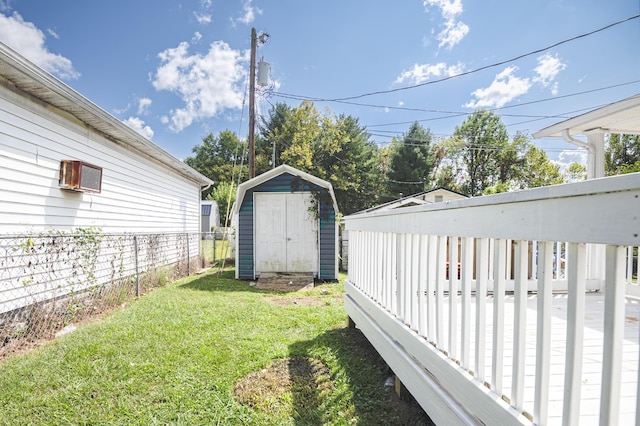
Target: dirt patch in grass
[297, 300]
[291, 386]
[302, 300]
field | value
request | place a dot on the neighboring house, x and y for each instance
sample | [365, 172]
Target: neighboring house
[67, 165]
[210, 216]
[435, 195]
[286, 222]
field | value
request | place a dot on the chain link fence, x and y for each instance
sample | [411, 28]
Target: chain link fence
[51, 280]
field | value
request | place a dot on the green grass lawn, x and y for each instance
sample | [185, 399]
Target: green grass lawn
[175, 355]
[215, 250]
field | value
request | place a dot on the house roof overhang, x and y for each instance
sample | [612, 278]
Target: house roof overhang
[18, 72]
[619, 117]
[284, 168]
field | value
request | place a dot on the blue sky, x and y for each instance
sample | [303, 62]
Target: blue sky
[176, 71]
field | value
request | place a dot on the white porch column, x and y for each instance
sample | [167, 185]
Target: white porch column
[595, 169]
[595, 162]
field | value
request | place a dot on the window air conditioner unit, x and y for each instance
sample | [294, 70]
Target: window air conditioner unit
[76, 175]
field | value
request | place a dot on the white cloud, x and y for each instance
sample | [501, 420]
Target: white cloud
[454, 31]
[203, 18]
[248, 13]
[28, 40]
[505, 87]
[421, 73]
[121, 110]
[548, 69]
[139, 126]
[197, 36]
[207, 84]
[568, 156]
[53, 33]
[143, 105]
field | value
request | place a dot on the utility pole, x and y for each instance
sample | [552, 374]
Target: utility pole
[252, 101]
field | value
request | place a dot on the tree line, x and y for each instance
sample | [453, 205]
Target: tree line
[479, 158]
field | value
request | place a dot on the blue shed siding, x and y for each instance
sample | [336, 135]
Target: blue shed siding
[245, 238]
[286, 183]
[327, 242]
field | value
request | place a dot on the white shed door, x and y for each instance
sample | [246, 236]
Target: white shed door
[286, 233]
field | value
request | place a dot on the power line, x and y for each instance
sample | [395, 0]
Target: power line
[451, 77]
[461, 113]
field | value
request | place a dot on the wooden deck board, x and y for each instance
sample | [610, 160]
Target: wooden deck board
[592, 358]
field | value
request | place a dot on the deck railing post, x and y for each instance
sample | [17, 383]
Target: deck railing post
[614, 316]
[482, 272]
[575, 333]
[543, 334]
[399, 311]
[520, 324]
[422, 288]
[453, 297]
[431, 287]
[440, 282]
[466, 276]
[499, 264]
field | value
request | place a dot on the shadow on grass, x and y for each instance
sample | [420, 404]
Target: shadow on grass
[359, 374]
[223, 281]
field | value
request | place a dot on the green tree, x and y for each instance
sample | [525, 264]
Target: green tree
[496, 189]
[272, 139]
[224, 195]
[511, 159]
[336, 149]
[576, 172]
[537, 170]
[412, 162]
[219, 158]
[479, 142]
[352, 166]
[622, 154]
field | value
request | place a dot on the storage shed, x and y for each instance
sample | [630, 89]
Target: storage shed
[286, 223]
[210, 216]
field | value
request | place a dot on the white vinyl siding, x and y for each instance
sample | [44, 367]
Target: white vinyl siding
[138, 194]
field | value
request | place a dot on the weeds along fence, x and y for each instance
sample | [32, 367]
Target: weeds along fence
[50, 280]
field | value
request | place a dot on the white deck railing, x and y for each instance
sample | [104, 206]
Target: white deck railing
[481, 345]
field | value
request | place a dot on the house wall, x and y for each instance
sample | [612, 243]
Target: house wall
[285, 183]
[446, 195]
[138, 194]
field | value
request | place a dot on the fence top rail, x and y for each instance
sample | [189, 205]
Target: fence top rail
[604, 210]
[57, 233]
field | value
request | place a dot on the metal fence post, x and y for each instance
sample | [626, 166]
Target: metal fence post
[188, 257]
[135, 249]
